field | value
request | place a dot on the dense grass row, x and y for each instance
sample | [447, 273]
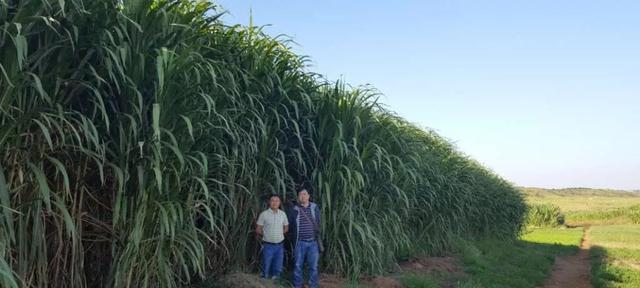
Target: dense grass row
[137, 138]
[544, 215]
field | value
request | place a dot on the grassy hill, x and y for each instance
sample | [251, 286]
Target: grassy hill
[578, 191]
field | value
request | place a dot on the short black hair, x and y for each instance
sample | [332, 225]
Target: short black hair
[274, 195]
[300, 189]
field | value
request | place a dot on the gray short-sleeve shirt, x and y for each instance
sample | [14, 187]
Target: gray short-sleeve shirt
[273, 225]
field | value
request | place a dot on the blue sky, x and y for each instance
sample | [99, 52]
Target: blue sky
[544, 93]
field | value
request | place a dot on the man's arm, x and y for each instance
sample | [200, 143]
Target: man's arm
[286, 224]
[259, 225]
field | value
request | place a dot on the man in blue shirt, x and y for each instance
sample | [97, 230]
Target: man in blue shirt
[304, 220]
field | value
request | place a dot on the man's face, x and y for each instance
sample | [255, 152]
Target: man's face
[303, 197]
[274, 202]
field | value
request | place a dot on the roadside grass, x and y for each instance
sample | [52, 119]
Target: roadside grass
[608, 270]
[522, 263]
[615, 256]
[624, 254]
[526, 262]
[415, 280]
[561, 236]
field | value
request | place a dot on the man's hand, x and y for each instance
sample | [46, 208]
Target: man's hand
[259, 230]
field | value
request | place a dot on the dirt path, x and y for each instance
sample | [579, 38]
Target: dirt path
[572, 271]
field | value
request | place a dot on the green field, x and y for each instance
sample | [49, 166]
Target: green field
[616, 255]
[586, 203]
[560, 236]
[587, 206]
[623, 215]
[614, 238]
[582, 199]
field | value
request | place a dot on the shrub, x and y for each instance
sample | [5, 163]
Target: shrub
[544, 215]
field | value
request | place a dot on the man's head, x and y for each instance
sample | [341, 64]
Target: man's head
[303, 196]
[274, 201]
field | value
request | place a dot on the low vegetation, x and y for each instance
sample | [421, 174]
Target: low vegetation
[522, 263]
[560, 236]
[616, 256]
[418, 281]
[576, 200]
[624, 215]
[589, 206]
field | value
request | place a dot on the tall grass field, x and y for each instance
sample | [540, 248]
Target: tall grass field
[138, 139]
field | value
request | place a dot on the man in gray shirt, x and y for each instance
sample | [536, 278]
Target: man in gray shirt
[272, 224]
